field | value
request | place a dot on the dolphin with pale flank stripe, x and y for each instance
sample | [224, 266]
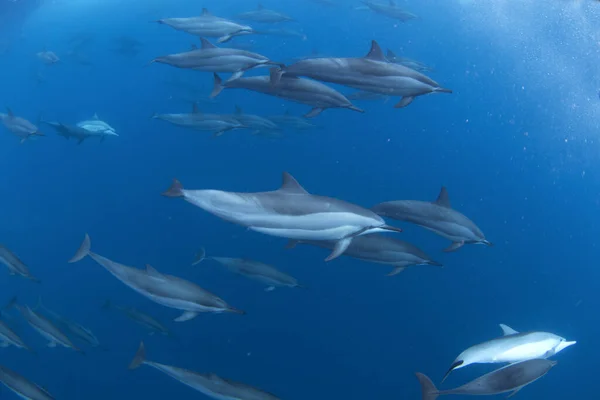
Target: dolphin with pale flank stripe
[438, 217]
[512, 347]
[209, 384]
[289, 212]
[75, 328]
[22, 387]
[14, 264]
[167, 290]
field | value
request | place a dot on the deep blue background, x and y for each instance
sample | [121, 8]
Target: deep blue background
[515, 145]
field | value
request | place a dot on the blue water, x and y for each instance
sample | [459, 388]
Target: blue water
[515, 144]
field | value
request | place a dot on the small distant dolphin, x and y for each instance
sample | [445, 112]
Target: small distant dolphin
[14, 264]
[208, 25]
[512, 347]
[407, 62]
[139, 317]
[305, 91]
[264, 16]
[292, 122]
[75, 328]
[9, 337]
[215, 123]
[23, 388]
[510, 378]
[208, 384]
[19, 126]
[257, 123]
[381, 250]
[211, 58]
[289, 212]
[97, 126]
[390, 10]
[254, 270]
[167, 290]
[48, 57]
[79, 133]
[282, 32]
[437, 216]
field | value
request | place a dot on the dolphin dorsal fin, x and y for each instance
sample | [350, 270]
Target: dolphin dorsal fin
[193, 47]
[507, 330]
[260, 7]
[95, 116]
[150, 270]
[443, 200]
[9, 112]
[375, 54]
[291, 185]
[195, 109]
[206, 44]
[205, 12]
[238, 110]
[391, 54]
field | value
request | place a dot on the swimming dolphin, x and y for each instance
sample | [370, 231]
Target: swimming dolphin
[289, 212]
[208, 384]
[264, 16]
[48, 57]
[9, 337]
[139, 317]
[381, 250]
[77, 132]
[14, 264]
[19, 126]
[510, 378]
[437, 216]
[22, 387]
[167, 290]
[211, 58]
[371, 73]
[208, 25]
[97, 126]
[512, 347]
[76, 329]
[390, 10]
[305, 91]
[292, 122]
[407, 62]
[215, 123]
[257, 123]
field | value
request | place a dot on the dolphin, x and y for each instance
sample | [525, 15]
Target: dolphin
[139, 317]
[283, 33]
[437, 216]
[97, 126]
[305, 91]
[23, 388]
[211, 58]
[167, 290]
[390, 10]
[381, 250]
[511, 348]
[407, 62]
[256, 123]
[290, 121]
[19, 126]
[371, 73]
[254, 270]
[510, 378]
[215, 123]
[9, 337]
[208, 25]
[75, 328]
[14, 264]
[264, 16]
[362, 95]
[78, 132]
[48, 57]
[289, 212]
[208, 384]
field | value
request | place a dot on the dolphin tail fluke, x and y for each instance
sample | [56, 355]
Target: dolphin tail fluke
[139, 358]
[428, 389]
[175, 190]
[217, 87]
[83, 250]
[200, 256]
[340, 248]
[442, 90]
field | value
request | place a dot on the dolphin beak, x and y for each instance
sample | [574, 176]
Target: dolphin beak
[487, 243]
[391, 228]
[564, 344]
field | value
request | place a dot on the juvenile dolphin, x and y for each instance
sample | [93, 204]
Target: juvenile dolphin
[290, 121]
[257, 123]
[97, 126]
[167, 290]
[139, 317]
[407, 62]
[208, 384]
[14, 264]
[9, 337]
[211, 58]
[305, 91]
[75, 328]
[19, 126]
[22, 387]
[438, 217]
[381, 250]
[215, 123]
[208, 25]
[512, 347]
[289, 212]
[264, 16]
[256, 270]
[390, 10]
[78, 132]
[510, 378]
[371, 73]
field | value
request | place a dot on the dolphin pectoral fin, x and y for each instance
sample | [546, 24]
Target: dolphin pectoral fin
[454, 365]
[52, 344]
[314, 112]
[81, 140]
[270, 289]
[396, 271]
[507, 330]
[235, 75]
[454, 246]
[404, 102]
[292, 244]
[340, 247]
[186, 316]
[514, 392]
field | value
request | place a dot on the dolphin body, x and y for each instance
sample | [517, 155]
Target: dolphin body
[14, 264]
[141, 318]
[407, 62]
[9, 337]
[390, 10]
[264, 16]
[48, 57]
[305, 91]
[381, 250]
[22, 387]
[208, 25]
[208, 384]
[437, 216]
[215, 123]
[167, 290]
[511, 348]
[19, 126]
[289, 212]
[75, 328]
[97, 126]
[510, 378]
[78, 132]
[210, 58]
[257, 123]
[290, 121]
[372, 73]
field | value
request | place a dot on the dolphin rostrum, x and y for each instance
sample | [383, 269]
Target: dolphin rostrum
[512, 347]
[289, 212]
[437, 216]
[14, 264]
[167, 290]
[209, 384]
[22, 387]
[510, 378]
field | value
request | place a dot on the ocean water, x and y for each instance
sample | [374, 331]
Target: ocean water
[515, 145]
